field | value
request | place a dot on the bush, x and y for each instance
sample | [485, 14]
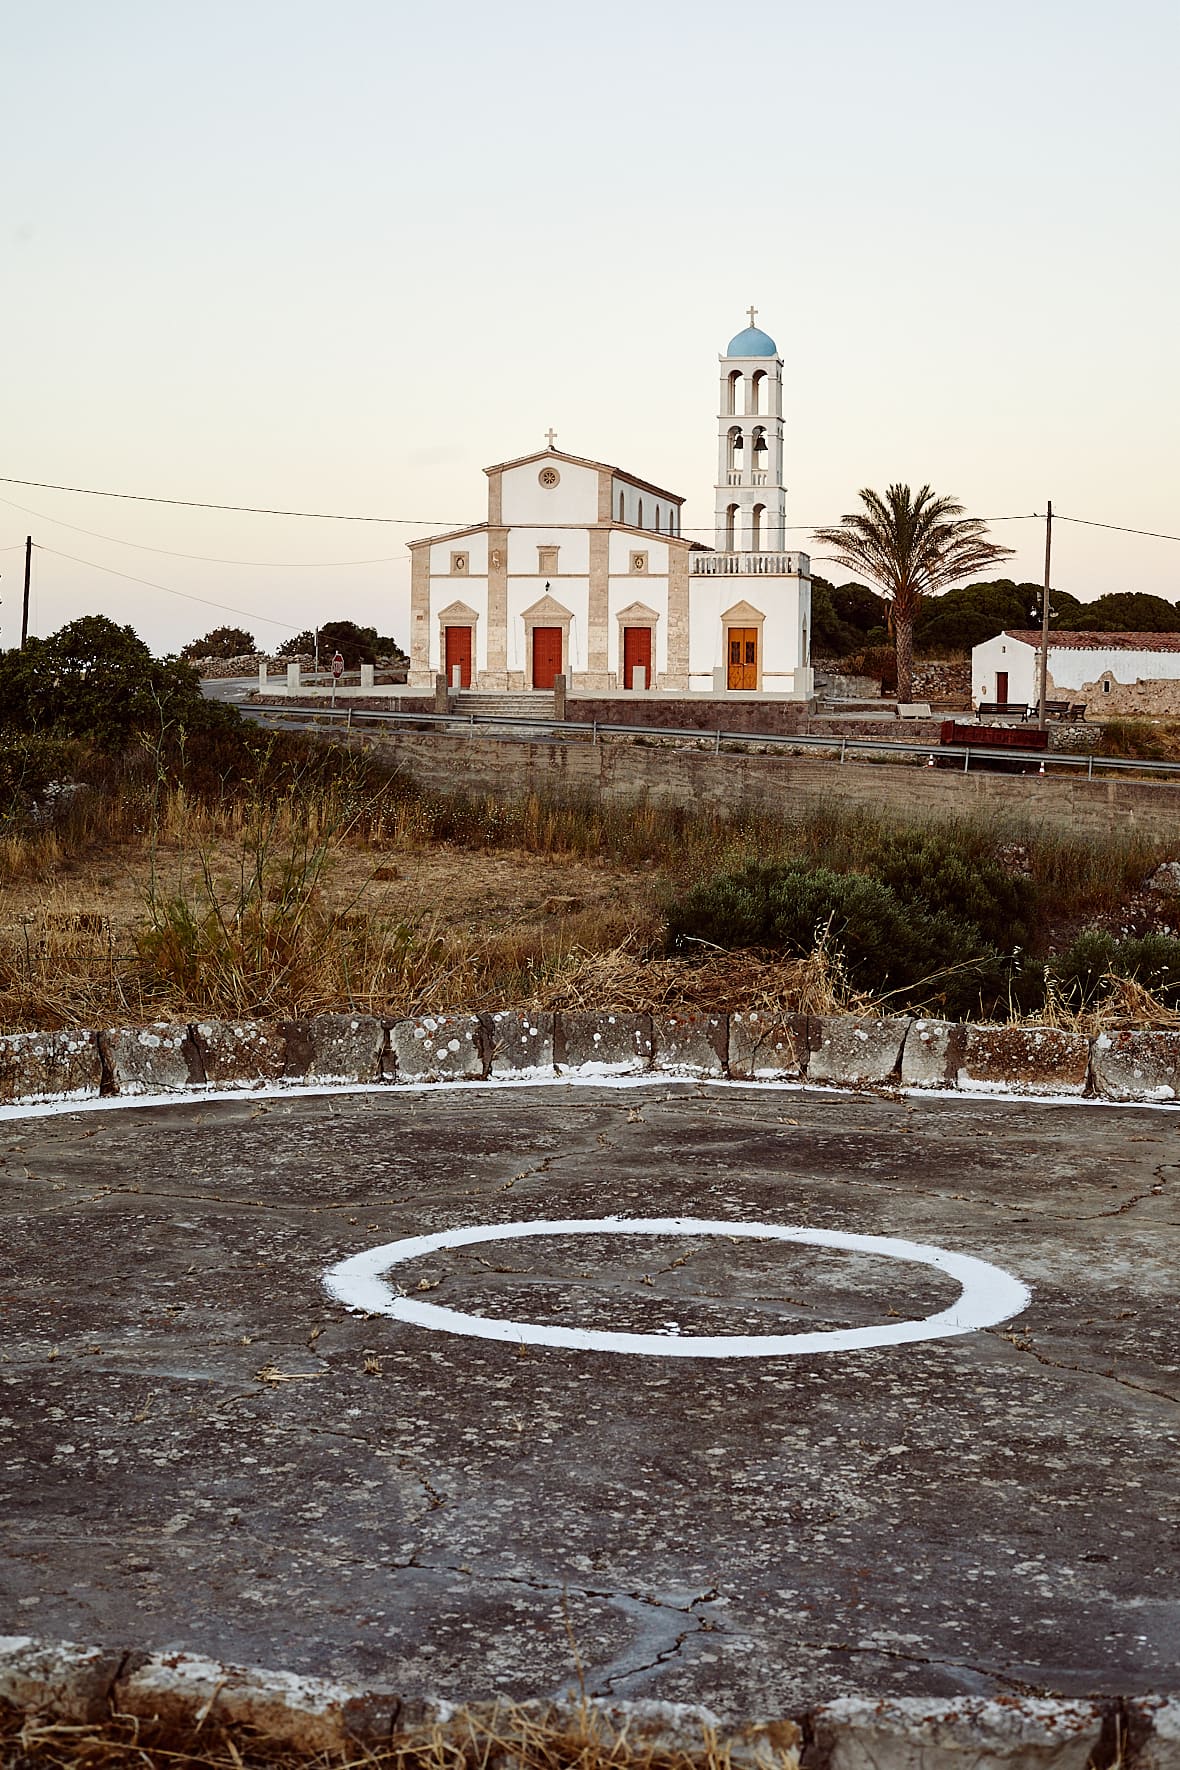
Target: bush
[1082, 973]
[29, 765]
[93, 679]
[222, 642]
[890, 942]
[941, 872]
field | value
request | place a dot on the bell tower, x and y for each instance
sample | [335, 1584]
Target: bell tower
[751, 500]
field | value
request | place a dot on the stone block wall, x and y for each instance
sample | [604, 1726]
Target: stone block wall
[356, 1049]
[694, 713]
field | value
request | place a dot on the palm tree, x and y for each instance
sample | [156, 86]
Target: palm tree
[910, 545]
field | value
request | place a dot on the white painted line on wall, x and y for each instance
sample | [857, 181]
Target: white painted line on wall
[989, 1295]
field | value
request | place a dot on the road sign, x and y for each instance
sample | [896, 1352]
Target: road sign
[337, 666]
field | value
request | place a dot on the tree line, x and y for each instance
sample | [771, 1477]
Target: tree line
[356, 644]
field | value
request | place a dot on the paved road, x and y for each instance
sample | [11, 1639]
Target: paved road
[202, 1449]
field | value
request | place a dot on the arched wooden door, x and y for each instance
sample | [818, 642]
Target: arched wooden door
[741, 645]
[636, 656]
[546, 656]
[458, 656]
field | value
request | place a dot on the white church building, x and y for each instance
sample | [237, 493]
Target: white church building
[581, 570]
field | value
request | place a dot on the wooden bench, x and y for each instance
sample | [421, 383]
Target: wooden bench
[1002, 710]
[1062, 710]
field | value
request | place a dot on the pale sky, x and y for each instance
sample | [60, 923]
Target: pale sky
[339, 257]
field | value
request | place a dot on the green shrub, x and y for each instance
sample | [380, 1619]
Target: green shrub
[890, 945]
[942, 872]
[29, 764]
[1082, 973]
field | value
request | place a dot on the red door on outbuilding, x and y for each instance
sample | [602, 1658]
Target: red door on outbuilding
[458, 656]
[636, 656]
[546, 656]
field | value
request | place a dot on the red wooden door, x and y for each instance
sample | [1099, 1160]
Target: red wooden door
[546, 656]
[458, 655]
[742, 648]
[636, 656]
[1002, 686]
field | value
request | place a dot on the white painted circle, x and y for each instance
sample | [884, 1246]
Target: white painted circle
[989, 1295]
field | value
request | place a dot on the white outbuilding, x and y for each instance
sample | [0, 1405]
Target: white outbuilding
[581, 570]
[1135, 674]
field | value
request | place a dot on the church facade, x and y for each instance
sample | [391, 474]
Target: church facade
[581, 570]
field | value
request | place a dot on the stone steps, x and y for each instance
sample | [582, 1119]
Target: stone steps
[506, 706]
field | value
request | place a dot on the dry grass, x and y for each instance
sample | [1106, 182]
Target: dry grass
[508, 1737]
[1126, 1005]
[718, 982]
[302, 889]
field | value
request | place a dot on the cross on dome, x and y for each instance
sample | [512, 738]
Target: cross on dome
[753, 313]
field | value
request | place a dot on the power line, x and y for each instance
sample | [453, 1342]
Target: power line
[241, 509]
[225, 607]
[314, 515]
[1118, 527]
[204, 558]
[427, 522]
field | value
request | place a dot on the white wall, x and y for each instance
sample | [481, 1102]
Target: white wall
[653, 594]
[574, 554]
[525, 500]
[474, 592]
[1073, 669]
[1003, 653]
[625, 500]
[621, 546]
[474, 546]
[784, 603]
[571, 593]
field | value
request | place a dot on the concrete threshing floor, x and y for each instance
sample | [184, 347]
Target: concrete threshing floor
[202, 1450]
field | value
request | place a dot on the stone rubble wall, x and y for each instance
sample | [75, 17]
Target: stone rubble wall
[839, 1051]
[69, 1685]
[937, 680]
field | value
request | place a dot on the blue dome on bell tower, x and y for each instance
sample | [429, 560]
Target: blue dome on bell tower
[751, 342]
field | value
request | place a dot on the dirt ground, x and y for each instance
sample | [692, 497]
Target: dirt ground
[457, 889]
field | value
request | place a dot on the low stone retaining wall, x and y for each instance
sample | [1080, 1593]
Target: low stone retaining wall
[758, 715]
[628, 773]
[69, 1685]
[833, 1051]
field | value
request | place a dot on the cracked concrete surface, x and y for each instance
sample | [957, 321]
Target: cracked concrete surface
[200, 1450]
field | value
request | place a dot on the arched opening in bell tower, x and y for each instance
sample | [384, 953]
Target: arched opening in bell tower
[756, 516]
[736, 450]
[731, 517]
[757, 389]
[734, 385]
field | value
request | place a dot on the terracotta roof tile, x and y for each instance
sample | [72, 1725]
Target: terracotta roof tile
[1062, 641]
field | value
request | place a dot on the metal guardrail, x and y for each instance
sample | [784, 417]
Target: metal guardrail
[593, 731]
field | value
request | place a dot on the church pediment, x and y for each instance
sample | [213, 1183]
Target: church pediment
[637, 611]
[457, 611]
[548, 609]
[742, 613]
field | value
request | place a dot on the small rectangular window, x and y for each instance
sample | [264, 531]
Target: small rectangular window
[1106, 688]
[547, 561]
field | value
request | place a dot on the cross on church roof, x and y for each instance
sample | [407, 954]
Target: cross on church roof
[551, 436]
[753, 313]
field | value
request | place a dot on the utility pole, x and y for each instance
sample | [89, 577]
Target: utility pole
[1042, 715]
[24, 619]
